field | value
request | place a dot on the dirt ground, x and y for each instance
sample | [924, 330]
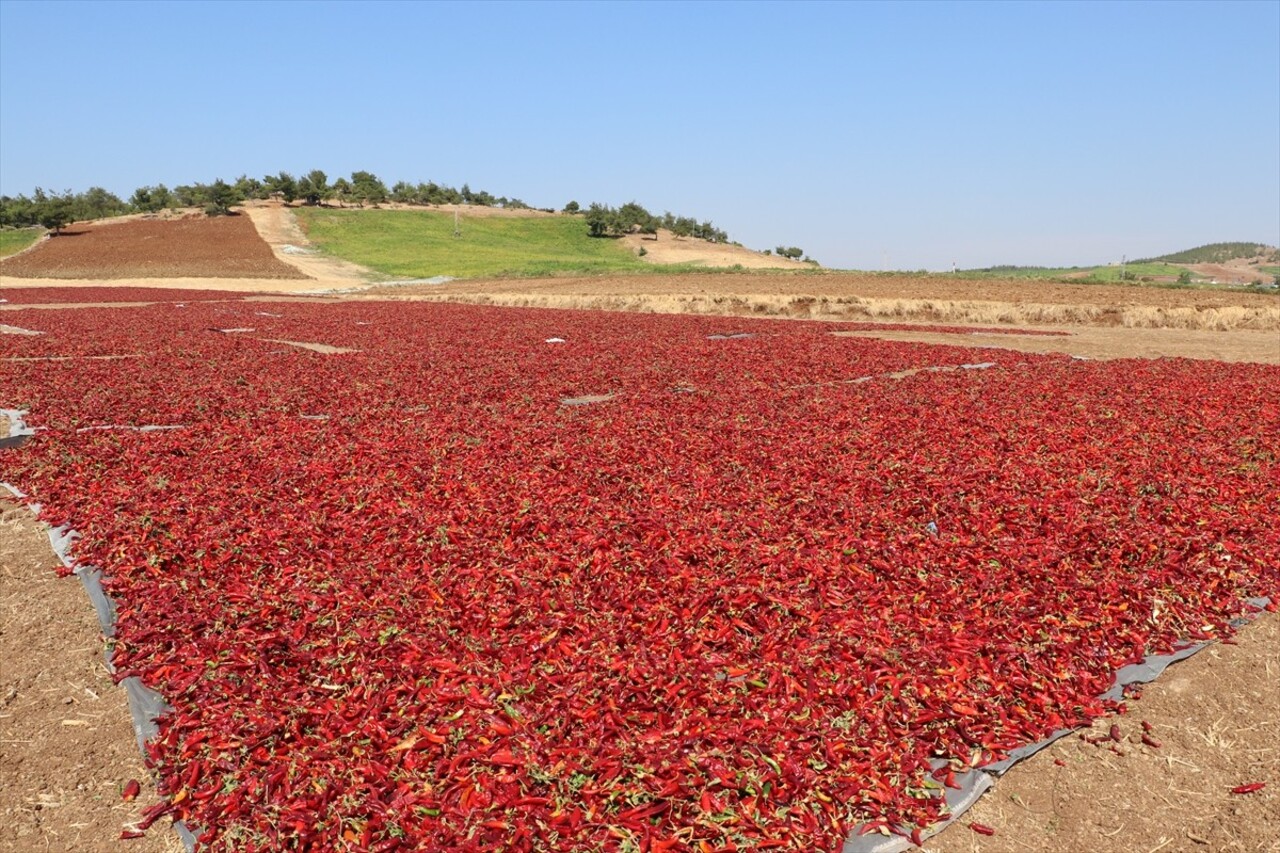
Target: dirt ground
[835, 285]
[277, 225]
[1261, 347]
[1240, 271]
[1106, 321]
[67, 746]
[1216, 717]
[667, 248]
[195, 246]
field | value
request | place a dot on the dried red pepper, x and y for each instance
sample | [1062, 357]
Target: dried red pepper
[419, 598]
[1250, 788]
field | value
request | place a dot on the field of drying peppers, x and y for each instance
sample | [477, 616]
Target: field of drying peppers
[424, 596]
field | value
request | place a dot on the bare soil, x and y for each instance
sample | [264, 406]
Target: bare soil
[1239, 271]
[667, 248]
[1216, 717]
[834, 285]
[279, 228]
[195, 246]
[67, 746]
[1260, 347]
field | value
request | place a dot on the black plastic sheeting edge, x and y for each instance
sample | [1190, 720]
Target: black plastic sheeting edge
[145, 704]
[19, 432]
[974, 783]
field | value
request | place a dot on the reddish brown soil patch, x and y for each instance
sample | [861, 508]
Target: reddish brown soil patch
[1233, 272]
[199, 247]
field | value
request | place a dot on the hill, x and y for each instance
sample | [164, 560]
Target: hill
[411, 243]
[1229, 264]
[1105, 273]
[1219, 253]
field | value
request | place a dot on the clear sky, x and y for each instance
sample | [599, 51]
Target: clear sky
[905, 135]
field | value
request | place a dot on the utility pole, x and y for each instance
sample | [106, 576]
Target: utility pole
[457, 229]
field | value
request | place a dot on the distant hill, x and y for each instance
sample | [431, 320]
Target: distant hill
[1218, 253]
[413, 243]
[1230, 264]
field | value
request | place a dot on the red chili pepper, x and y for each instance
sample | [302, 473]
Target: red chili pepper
[1249, 788]
[982, 829]
[456, 601]
[153, 814]
[131, 790]
[1150, 741]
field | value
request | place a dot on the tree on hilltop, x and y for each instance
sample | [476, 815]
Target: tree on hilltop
[314, 187]
[151, 199]
[54, 211]
[341, 190]
[96, 203]
[220, 196]
[605, 221]
[282, 185]
[249, 187]
[633, 217]
[367, 188]
[404, 192]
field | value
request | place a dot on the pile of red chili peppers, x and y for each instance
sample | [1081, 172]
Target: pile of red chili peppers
[405, 598]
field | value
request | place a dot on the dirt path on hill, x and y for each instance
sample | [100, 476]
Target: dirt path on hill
[279, 228]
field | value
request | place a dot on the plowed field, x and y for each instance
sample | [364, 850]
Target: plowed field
[196, 247]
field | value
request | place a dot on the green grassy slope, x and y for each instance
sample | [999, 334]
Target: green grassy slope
[420, 244]
[15, 240]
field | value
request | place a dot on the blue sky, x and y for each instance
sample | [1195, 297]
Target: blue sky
[901, 135]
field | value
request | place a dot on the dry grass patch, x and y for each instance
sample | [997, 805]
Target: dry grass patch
[1218, 318]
